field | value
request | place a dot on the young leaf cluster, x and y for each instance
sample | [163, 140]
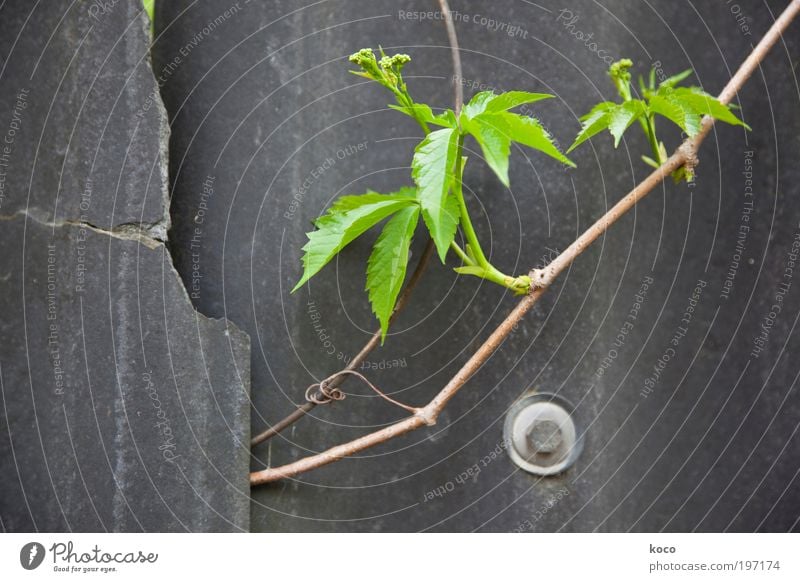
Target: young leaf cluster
[438, 163]
[683, 106]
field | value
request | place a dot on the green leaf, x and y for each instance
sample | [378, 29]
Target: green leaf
[424, 113]
[337, 230]
[650, 162]
[682, 173]
[705, 104]
[470, 270]
[351, 201]
[528, 131]
[675, 79]
[478, 103]
[487, 119]
[491, 102]
[685, 106]
[666, 104]
[386, 269]
[432, 169]
[621, 117]
[593, 122]
[446, 118]
[492, 134]
[642, 86]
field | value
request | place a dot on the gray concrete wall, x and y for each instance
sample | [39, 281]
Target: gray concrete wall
[113, 190]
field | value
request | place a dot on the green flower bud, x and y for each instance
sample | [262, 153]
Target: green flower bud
[365, 59]
[619, 70]
[619, 73]
[401, 59]
[365, 55]
[385, 71]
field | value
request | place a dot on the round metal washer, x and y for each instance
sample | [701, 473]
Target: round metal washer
[542, 434]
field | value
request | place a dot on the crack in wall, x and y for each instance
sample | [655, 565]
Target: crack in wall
[144, 234]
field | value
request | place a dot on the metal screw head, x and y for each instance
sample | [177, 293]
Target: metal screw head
[542, 434]
[545, 436]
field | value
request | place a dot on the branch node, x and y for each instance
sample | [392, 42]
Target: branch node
[427, 415]
[689, 151]
[540, 278]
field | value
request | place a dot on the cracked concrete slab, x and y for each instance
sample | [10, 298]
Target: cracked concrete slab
[122, 409]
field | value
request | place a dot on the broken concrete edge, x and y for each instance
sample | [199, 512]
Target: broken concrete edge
[156, 234]
[159, 229]
[151, 235]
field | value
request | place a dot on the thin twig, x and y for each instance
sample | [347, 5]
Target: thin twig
[542, 278]
[456, 54]
[373, 342]
[358, 359]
